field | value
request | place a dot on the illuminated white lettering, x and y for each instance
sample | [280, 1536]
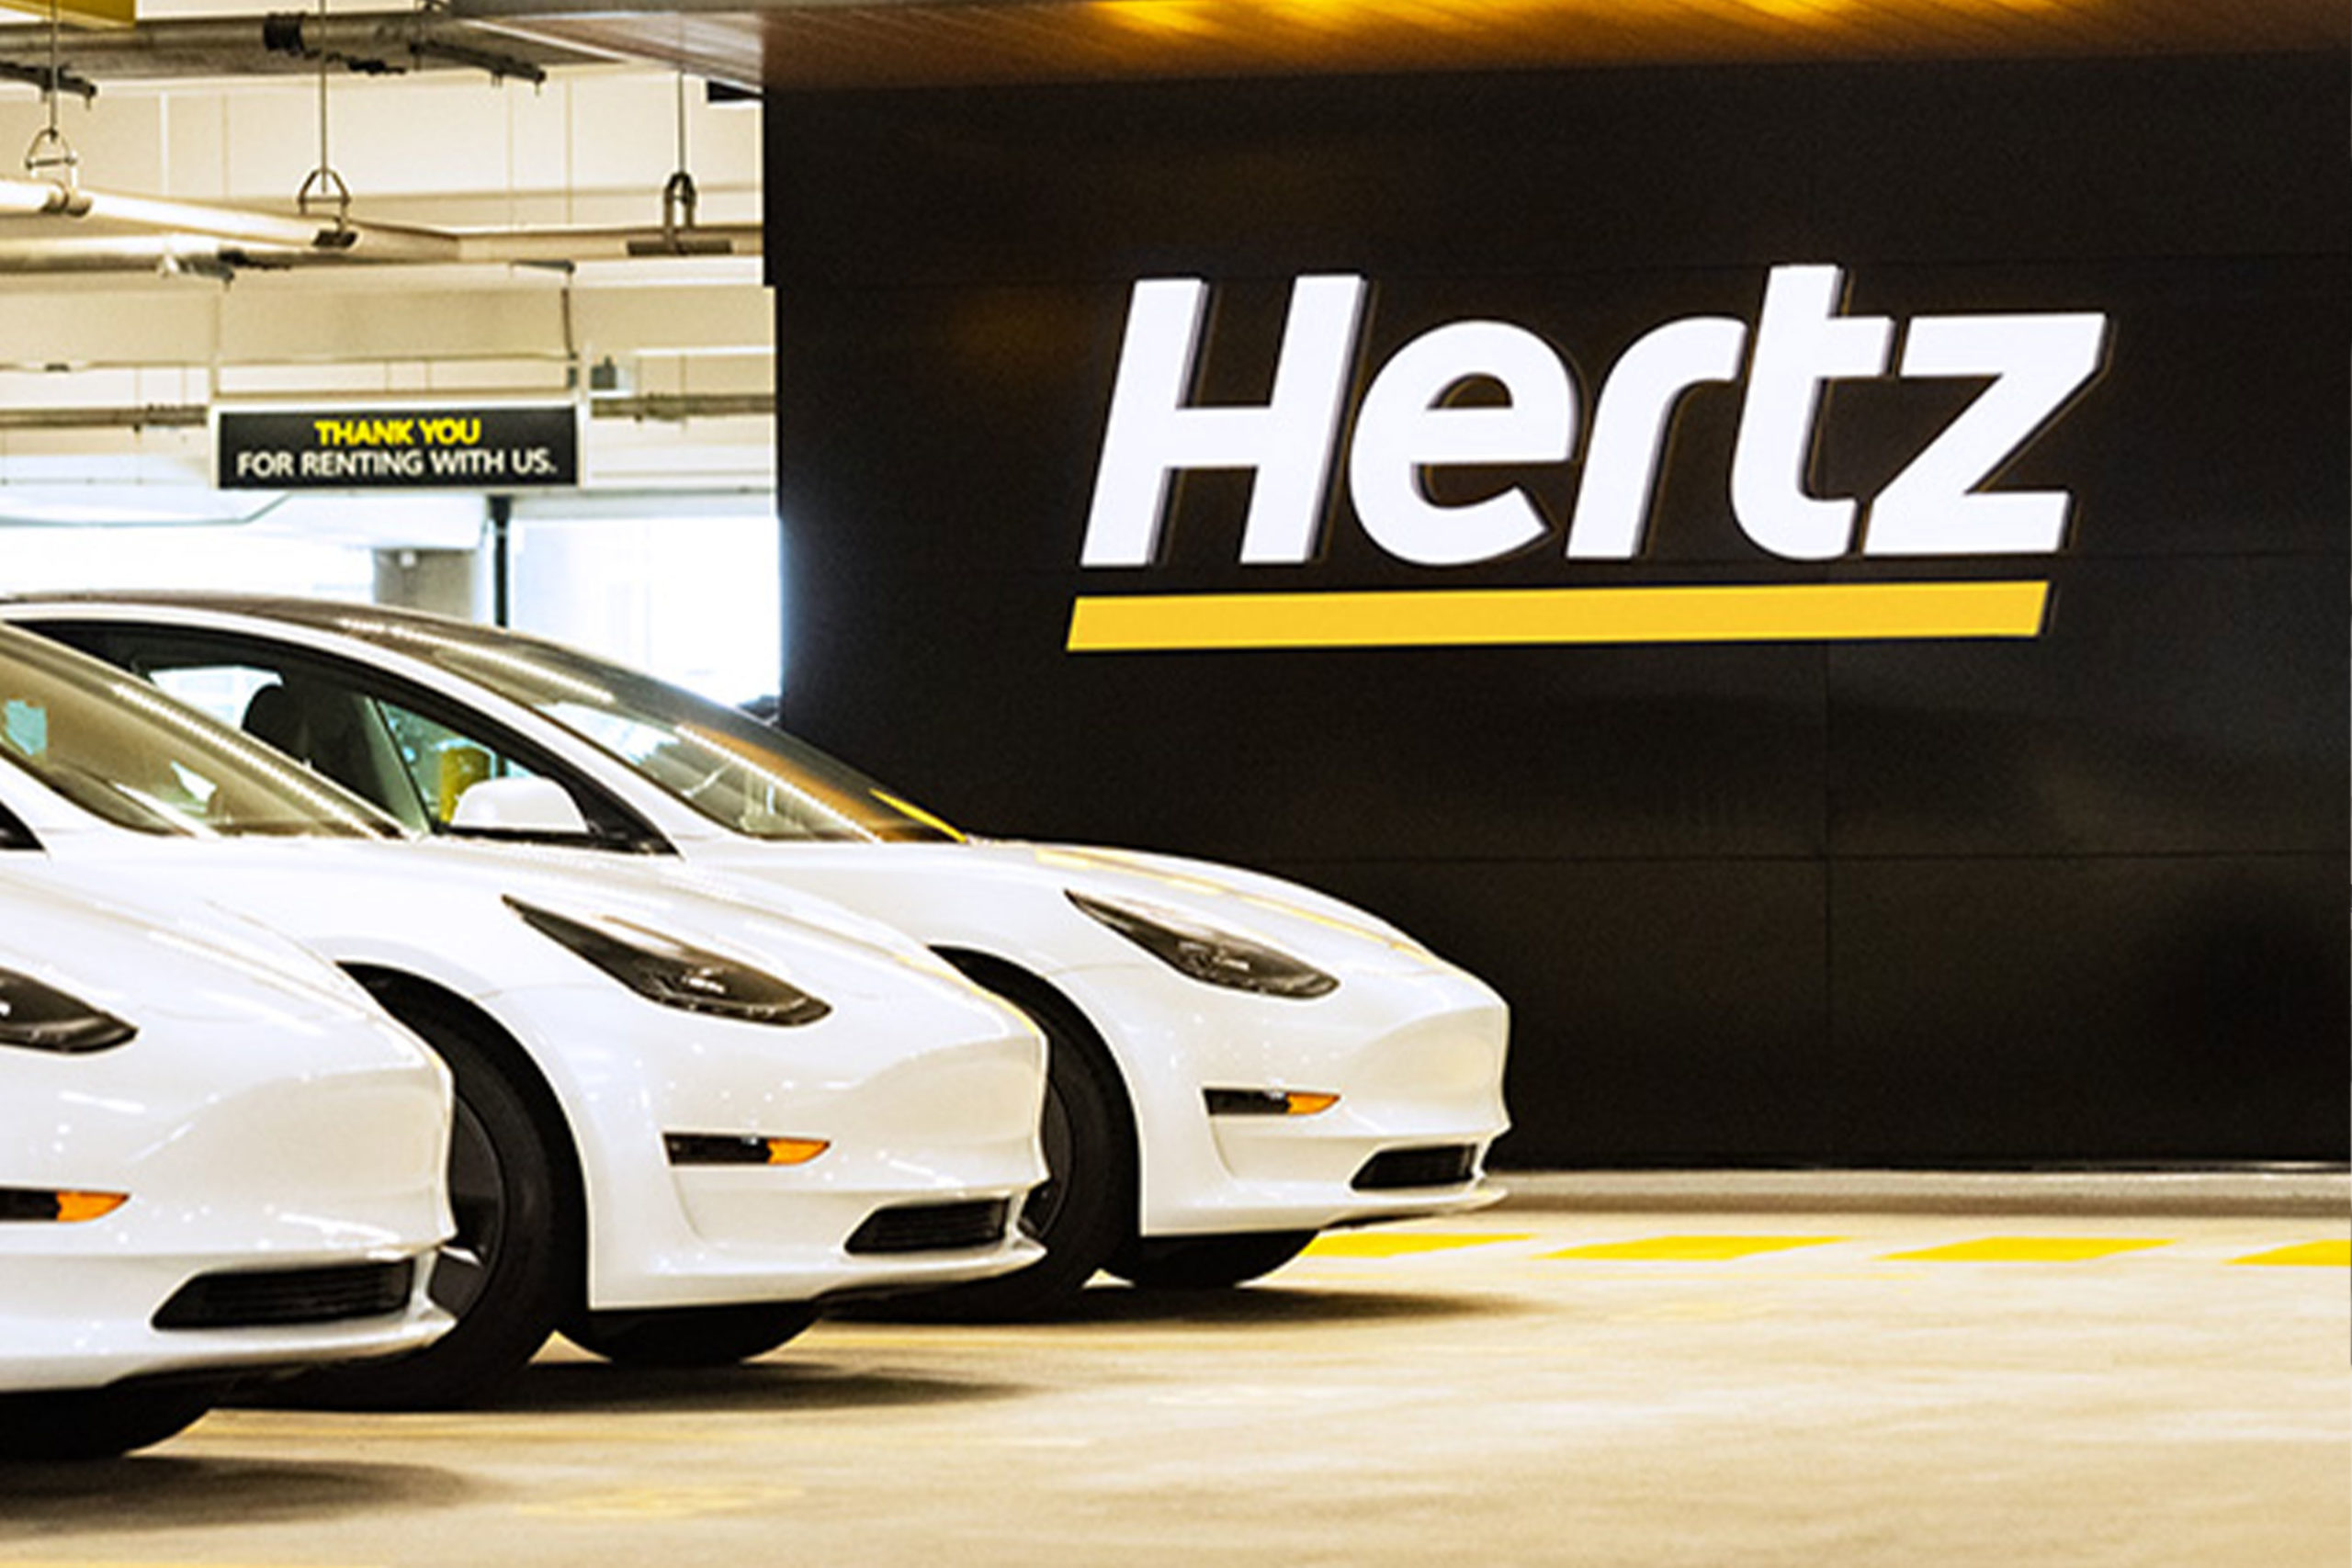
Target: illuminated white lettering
[1406, 427]
[1801, 343]
[1153, 434]
[1402, 429]
[1628, 429]
[2037, 362]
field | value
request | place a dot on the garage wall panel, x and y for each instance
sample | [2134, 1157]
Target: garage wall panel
[2071, 897]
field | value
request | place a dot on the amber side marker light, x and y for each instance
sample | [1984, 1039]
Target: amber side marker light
[730, 1148]
[1267, 1102]
[41, 1206]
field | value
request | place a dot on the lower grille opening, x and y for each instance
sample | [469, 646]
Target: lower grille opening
[1441, 1165]
[266, 1298]
[932, 1227]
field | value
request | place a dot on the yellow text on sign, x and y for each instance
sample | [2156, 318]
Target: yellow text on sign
[1796, 612]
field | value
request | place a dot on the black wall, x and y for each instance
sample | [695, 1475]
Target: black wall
[2073, 898]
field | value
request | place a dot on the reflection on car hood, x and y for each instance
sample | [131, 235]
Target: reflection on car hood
[953, 893]
[115, 939]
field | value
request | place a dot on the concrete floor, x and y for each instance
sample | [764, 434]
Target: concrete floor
[1831, 1404]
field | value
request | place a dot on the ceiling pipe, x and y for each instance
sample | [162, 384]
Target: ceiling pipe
[165, 220]
[276, 243]
[145, 417]
[370, 42]
[667, 407]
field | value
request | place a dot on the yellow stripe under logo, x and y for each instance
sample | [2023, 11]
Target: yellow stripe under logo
[1800, 611]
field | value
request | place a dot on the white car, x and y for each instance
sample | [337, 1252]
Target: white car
[218, 1161]
[1239, 1062]
[684, 1116]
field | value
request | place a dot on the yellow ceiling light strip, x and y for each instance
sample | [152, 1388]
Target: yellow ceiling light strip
[1804, 612]
[79, 13]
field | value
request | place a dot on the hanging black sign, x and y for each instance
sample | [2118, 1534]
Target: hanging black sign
[420, 446]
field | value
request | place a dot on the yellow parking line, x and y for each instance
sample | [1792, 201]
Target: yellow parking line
[665, 1502]
[2028, 1250]
[2310, 1255]
[1691, 1248]
[1365, 1244]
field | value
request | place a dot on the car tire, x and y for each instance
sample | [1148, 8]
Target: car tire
[1206, 1262]
[689, 1336]
[512, 1269]
[1084, 1211]
[78, 1424]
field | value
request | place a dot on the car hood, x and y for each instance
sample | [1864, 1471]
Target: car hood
[445, 910]
[138, 949]
[978, 892]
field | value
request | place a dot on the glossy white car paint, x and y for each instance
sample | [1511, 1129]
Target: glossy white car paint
[927, 1090]
[265, 1117]
[1413, 1046]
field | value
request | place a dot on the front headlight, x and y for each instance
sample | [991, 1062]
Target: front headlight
[43, 1018]
[675, 974]
[1208, 954]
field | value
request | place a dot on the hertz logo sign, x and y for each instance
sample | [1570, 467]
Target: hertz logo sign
[1403, 426]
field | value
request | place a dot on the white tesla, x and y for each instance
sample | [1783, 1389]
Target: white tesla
[1237, 1062]
[684, 1117]
[218, 1161]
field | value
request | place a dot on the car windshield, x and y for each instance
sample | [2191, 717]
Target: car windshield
[121, 751]
[742, 774]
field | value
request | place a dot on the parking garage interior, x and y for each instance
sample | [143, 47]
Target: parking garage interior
[1928, 1042]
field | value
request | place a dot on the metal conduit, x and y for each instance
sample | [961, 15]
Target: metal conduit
[671, 407]
[156, 215]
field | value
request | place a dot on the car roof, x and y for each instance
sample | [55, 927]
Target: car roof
[326, 613]
[365, 621]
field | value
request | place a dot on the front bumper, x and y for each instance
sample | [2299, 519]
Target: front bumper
[75, 1322]
[1414, 1054]
[911, 1121]
[260, 1184]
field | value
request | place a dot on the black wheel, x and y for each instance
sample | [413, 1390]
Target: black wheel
[1206, 1262]
[511, 1267]
[88, 1424]
[1084, 1210]
[689, 1336]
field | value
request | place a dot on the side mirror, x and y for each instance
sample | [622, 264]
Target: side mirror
[521, 806]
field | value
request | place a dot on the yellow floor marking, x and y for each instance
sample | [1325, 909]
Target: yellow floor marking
[663, 1502]
[1352, 1245]
[1691, 1248]
[2311, 1255]
[2030, 1249]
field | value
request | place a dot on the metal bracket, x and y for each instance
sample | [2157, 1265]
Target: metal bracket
[60, 81]
[52, 157]
[325, 183]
